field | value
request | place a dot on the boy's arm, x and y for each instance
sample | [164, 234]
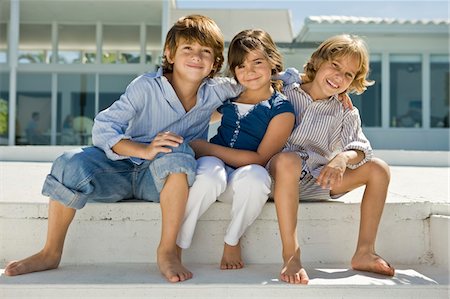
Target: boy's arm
[357, 151]
[126, 147]
[274, 139]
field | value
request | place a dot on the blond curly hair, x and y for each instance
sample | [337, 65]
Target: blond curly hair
[337, 47]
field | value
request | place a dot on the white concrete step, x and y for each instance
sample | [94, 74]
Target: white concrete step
[129, 232]
[110, 248]
[260, 281]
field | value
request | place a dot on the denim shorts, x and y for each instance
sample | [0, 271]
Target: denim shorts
[86, 174]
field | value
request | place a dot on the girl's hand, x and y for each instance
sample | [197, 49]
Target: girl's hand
[345, 100]
[161, 144]
[332, 173]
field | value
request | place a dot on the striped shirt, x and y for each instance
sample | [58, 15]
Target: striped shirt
[323, 129]
[150, 106]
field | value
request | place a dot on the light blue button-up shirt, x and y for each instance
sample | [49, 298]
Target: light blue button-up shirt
[150, 106]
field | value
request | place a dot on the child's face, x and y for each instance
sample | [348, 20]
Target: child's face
[336, 75]
[191, 61]
[255, 72]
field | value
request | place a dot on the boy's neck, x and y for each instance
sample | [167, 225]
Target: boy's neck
[185, 90]
[313, 92]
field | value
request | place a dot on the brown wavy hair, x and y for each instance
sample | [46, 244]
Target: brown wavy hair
[254, 39]
[195, 28]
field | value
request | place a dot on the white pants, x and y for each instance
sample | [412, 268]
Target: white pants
[246, 188]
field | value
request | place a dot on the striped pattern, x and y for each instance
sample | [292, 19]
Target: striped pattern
[150, 106]
[323, 129]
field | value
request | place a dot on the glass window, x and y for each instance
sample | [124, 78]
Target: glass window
[369, 103]
[76, 108]
[153, 34]
[76, 43]
[111, 88]
[406, 91]
[439, 86]
[121, 44]
[3, 43]
[33, 119]
[4, 100]
[35, 43]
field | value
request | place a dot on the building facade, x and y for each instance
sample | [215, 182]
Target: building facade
[61, 62]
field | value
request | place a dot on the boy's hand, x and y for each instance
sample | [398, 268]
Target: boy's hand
[345, 100]
[332, 173]
[161, 144]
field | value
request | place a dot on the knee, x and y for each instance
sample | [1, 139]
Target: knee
[286, 163]
[256, 175]
[69, 164]
[211, 172]
[253, 180]
[379, 169]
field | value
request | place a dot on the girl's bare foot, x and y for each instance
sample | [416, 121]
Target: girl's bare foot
[371, 262]
[293, 272]
[41, 261]
[171, 267]
[231, 258]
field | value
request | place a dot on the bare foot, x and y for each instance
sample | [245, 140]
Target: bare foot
[231, 258]
[371, 262]
[293, 272]
[171, 267]
[41, 261]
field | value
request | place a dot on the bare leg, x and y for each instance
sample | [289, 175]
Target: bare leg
[286, 169]
[375, 175]
[173, 200]
[59, 219]
[231, 258]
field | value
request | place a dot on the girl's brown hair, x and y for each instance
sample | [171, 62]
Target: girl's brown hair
[254, 39]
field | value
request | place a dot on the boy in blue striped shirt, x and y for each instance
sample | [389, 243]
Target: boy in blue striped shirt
[141, 146]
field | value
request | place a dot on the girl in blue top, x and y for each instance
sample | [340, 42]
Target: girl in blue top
[255, 126]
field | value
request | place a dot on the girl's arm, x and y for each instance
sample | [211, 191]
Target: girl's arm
[274, 139]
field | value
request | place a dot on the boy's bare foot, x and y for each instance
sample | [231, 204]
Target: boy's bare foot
[231, 258]
[293, 272]
[41, 261]
[171, 267]
[371, 262]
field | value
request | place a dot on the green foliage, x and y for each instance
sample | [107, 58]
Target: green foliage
[3, 116]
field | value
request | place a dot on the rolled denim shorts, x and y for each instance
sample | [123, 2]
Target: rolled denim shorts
[87, 174]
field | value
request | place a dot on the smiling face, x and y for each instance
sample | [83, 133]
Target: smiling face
[334, 76]
[254, 73]
[191, 61]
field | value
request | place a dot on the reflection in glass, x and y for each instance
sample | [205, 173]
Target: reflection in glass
[76, 44]
[406, 91]
[121, 44]
[33, 109]
[76, 108]
[369, 103]
[4, 100]
[439, 86]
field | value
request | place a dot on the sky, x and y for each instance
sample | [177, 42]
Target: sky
[300, 9]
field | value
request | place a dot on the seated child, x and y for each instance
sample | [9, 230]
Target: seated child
[255, 126]
[328, 155]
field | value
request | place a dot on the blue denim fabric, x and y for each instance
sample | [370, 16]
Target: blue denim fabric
[180, 160]
[87, 174]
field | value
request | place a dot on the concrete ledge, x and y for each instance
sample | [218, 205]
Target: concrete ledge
[327, 233]
[254, 281]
